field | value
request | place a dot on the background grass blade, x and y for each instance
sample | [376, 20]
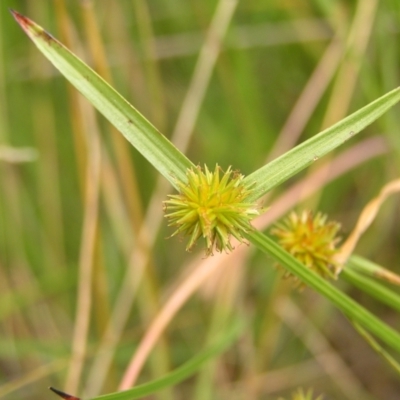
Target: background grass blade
[157, 149]
[290, 163]
[181, 373]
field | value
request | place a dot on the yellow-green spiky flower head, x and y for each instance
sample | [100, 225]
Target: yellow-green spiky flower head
[211, 205]
[310, 239]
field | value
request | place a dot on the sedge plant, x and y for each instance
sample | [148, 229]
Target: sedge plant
[216, 207]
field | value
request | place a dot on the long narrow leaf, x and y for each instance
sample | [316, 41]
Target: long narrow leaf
[301, 156]
[155, 147]
[348, 306]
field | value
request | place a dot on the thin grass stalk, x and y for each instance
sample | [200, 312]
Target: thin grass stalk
[11, 327]
[15, 251]
[224, 302]
[242, 96]
[268, 338]
[4, 122]
[206, 386]
[160, 363]
[346, 80]
[151, 67]
[115, 207]
[8, 238]
[388, 55]
[324, 354]
[125, 166]
[76, 118]
[308, 100]
[86, 257]
[120, 313]
[49, 195]
[100, 288]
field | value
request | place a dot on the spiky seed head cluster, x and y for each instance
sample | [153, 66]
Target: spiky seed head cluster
[310, 239]
[212, 205]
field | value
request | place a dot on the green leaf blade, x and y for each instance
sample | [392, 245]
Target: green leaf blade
[352, 273]
[303, 155]
[154, 146]
[344, 303]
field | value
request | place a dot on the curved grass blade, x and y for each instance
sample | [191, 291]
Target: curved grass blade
[155, 147]
[301, 156]
[351, 273]
[181, 373]
[348, 306]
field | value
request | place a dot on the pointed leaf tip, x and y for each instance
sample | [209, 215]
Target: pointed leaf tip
[158, 150]
[23, 21]
[63, 395]
[31, 28]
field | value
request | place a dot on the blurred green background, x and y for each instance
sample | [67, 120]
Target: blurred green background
[71, 213]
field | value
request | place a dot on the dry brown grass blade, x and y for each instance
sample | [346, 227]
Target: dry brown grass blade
[366, 218]
[87, 250]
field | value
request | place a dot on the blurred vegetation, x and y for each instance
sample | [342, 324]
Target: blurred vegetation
[74, 196]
